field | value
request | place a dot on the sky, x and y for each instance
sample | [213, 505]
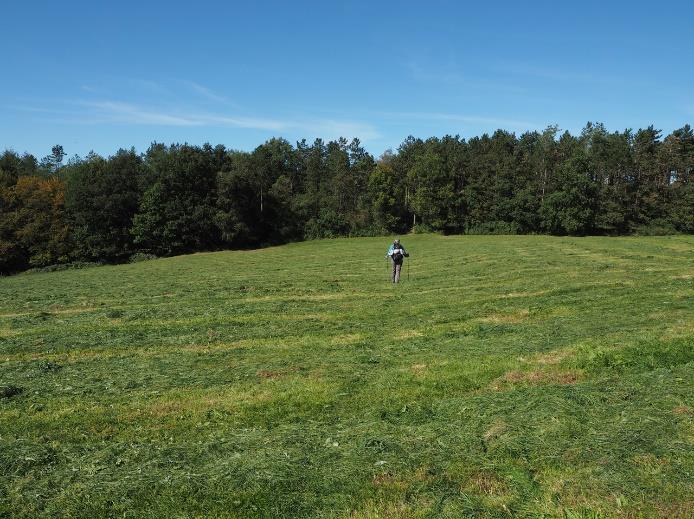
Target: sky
[99, 76]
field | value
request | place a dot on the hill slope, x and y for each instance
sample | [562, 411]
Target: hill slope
[522, 375]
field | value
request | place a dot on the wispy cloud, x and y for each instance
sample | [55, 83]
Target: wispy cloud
[185, 103]
[207, 93]
[133, 114]
[116, 112]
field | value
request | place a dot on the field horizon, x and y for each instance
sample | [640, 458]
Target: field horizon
[525, 376]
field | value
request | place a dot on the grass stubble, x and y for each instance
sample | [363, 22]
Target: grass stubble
[510, 376]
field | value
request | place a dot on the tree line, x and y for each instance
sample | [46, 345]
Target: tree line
[183, 198]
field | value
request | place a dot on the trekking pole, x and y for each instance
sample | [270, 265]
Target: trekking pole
[408, 271]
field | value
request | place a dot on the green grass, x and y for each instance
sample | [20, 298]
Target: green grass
[511, 376]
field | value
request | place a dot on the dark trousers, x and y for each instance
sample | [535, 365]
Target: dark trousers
[395, 277]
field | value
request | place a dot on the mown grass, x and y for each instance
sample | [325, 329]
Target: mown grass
[510, 376]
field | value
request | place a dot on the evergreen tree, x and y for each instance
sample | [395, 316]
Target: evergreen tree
[176, 213]
[102, 199]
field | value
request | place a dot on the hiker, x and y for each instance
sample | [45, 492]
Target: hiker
[397, 255]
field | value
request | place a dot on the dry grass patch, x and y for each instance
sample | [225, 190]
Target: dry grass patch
[7, 332]
[679, 247]
[409, 334]
[683, 409]
[650, 460]
[305, 317]
[680, 329]
[387, 479]
[308, 297]
[578, 500]
[348, 338]
[419, 371]
[553, 357]
[487, 483]
[495, 431]
[515, 317]
[197, 403]
[534, 378]
[514, 295]
[217, 347]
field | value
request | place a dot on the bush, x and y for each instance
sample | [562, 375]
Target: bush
[658, 227]
[66, 266]
[421, 228]
[141, 256]
[370, 231]
[329, 224]
[492, 228]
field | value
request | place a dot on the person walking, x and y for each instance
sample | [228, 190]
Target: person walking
[397, 255]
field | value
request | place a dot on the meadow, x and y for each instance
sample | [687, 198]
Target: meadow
[509, 376]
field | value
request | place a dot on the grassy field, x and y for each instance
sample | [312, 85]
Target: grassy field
[510, 376]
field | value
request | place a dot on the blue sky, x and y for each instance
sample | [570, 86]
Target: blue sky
[104, 75]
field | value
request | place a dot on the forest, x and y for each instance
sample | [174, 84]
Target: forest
[181, 198]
